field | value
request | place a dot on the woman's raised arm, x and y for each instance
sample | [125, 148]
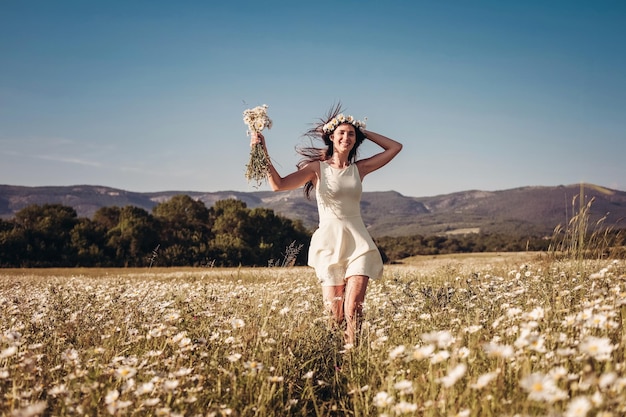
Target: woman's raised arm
[290, 182]
[390, 149]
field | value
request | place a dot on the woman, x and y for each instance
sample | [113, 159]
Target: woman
[342, 251]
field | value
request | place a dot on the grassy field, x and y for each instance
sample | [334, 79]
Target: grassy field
[480, 335]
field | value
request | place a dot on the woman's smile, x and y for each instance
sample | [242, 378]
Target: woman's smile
[344, 137]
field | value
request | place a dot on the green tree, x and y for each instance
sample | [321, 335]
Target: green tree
[107, 217]
[269, 236]
[243, 236]
[46, 231]
[88, 239]
[185, 231]
[133, 238]
[230, 234]
[12, 244]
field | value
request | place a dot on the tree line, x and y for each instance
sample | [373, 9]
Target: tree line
[606, 243]
[178, 232]
[184, 232]
[404, 246]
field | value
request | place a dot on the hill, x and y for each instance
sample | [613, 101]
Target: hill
[529, 210]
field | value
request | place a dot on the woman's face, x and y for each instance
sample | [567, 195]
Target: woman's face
[343, 138]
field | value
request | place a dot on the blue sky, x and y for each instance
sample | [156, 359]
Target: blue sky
[148, 95]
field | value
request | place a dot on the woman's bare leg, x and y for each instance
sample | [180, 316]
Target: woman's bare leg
[333, 302]
[356, 287]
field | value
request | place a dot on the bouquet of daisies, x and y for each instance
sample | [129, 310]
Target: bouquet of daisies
[258, 166]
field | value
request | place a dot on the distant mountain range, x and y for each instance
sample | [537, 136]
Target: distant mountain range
[530, 210]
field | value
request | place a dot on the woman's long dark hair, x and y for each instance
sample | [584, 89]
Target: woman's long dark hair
[313, 153]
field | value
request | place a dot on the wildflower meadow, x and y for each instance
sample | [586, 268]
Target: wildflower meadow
[516, 335]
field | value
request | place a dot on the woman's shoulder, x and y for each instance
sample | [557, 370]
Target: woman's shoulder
[312, 167]
[313, 164]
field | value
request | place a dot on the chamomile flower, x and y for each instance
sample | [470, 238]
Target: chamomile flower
[578, 407]
[397, 352]
[484, 379]
[8, 352]
[125, 372]
[170, 384]
[404, 387]
[253, 366]
[237, 323]
[453, 375]
[541, 387]
[382, 399]
[422, 352]
[442, 339]
[145, 388]
[404, 407]
[498, 351]
[440, 356]
[599, 348]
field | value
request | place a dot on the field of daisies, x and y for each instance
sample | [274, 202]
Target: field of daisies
[531, 336]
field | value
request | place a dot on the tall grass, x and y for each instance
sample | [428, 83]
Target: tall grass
[460, 338]
[579, 239]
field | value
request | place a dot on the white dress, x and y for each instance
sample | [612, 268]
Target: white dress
[341, 246]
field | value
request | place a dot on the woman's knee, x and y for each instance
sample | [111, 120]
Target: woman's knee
[356, 286]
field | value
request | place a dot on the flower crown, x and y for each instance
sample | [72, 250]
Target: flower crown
[340, 119]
